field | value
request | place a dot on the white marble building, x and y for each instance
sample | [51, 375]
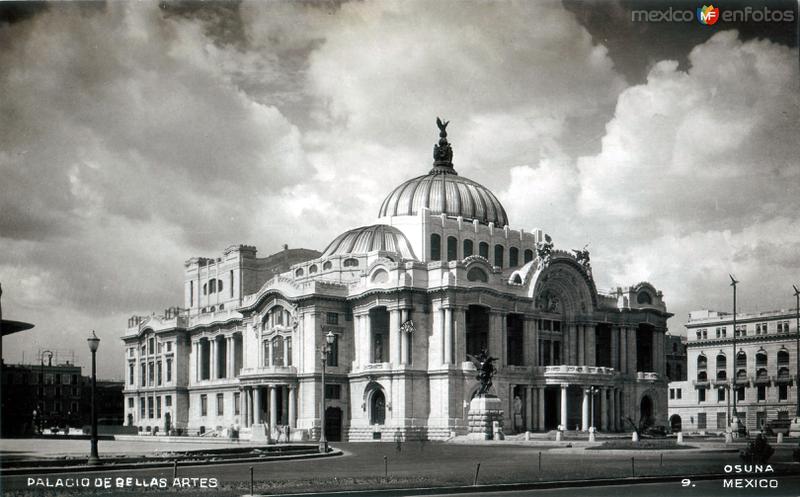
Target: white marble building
[440, 275]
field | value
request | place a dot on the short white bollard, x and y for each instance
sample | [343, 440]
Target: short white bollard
[780, 438]
[680, 437]
[591, 434]
[558, 436]
[635, 437]
[527, 436]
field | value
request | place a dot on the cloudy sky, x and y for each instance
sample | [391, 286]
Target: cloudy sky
[136, 135]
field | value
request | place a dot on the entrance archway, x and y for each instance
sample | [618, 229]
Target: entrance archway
[675, 423]
[377, 408]
[646, 412]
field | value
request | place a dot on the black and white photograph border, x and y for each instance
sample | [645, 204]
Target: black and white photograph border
[399, 248]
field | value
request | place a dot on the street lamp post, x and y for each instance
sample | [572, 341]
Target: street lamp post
[49, 355]
[326, 347]
[734, 422]
[94, 343]
[794, 429]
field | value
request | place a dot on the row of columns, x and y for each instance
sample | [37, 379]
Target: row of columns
[609, 403]
[270, 345]
[214, 369]
[400, 343]
[252, 401]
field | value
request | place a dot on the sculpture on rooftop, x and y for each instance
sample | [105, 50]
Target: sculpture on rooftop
[582, 256]
[442, 152]
[544, 250]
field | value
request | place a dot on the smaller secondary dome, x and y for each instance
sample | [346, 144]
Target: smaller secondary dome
[369, 238]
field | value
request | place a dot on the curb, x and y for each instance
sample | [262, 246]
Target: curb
[158, 464]
[509, 487]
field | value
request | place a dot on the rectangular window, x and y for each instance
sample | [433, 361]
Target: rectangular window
[236, 402]
[740, 393]
[204, 405]
[160, 347]
[288, 344]
[158, 407]
[678, 392]
[131, 374]
[762, 392]
[220, 404]
[722, 420]
[783, 392]
[231, 283]
[333, 318]
[169, 346]
[671, 393]
[698, 334]
[705, 334]
[158, 372]
[701, 395]
[191, 293]
[333, 391]
[142, 368]
[556, 352]
[720, 395]
[149, 407]
[141, 407]
[151, 345]
[168, 401]
[150, 373]
[130, 402]
[701, 420]
[169, 370]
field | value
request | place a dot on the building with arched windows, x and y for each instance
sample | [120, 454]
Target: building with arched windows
[764, 372]
[441, 276]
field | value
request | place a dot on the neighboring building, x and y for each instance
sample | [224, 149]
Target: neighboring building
[110, 402]
[54, 392]
[764, 370]
[440, 277]
[676, 358]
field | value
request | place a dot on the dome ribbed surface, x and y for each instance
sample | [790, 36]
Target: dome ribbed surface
[369, 238]
[450, 194]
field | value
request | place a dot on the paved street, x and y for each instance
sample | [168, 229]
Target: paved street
[438, 464]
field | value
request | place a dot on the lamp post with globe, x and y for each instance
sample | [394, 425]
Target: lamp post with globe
[94, 343]
[327, 346]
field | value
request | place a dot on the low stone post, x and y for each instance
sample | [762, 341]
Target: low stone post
[680, 437]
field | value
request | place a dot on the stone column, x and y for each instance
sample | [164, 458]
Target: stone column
[564, 405]
[256, 405]
[585, 410]
[404, 342]
[356, 342]
[293, 406]
[572, 345]
[503, 325]
[195, 363]
[531, 339]
[530, 408]
[448, 335]
[366, 340]
[632, 350]
[581, 345]
[623, 349]
[394, 337]
[615, 348]
[590, 355]
[460, 335]
[285, 353]
[604, 409]
[273, 408]
[540, 417]
[284, 405]
[212, 357]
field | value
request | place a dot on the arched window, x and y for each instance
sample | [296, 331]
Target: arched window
[702, 362]
[722, 362]
[377, 409]
[783, 357]
[477, 274]
[452, 248]
[205, 288]
[351, 262]
[528, 256]
[436, 247]
[467, 248]
[312, 269]
[380, 276]
[741, 359]
[762, 374]
[483, 250]
[299, 272]
[498, 255]
[513, 257]
[327, 265]
[761, 358]
[644, 298]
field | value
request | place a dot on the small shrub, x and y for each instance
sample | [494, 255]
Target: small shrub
[758, 451]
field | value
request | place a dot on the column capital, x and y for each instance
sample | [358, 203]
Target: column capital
[564, 386]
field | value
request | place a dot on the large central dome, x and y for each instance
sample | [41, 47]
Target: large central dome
[443, 191]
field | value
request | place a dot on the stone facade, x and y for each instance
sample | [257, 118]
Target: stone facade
[765, 371]
[407, 300]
